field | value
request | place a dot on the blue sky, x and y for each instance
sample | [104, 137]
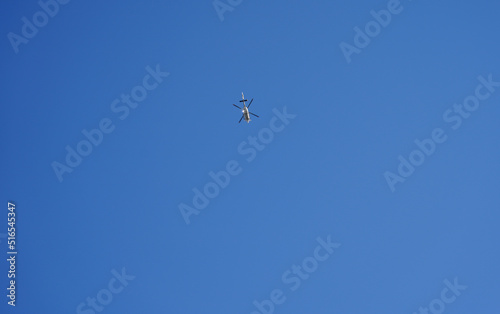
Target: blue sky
[315, 195]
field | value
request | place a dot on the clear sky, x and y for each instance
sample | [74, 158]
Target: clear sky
[369, 184]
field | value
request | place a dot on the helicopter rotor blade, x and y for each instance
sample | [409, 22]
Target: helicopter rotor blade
[237, 107]
[250, 103]
[253, 114]
[240, 119]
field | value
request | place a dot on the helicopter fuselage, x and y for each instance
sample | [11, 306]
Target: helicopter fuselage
[246, 114]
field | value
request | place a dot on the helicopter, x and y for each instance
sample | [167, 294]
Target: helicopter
[244, 110]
